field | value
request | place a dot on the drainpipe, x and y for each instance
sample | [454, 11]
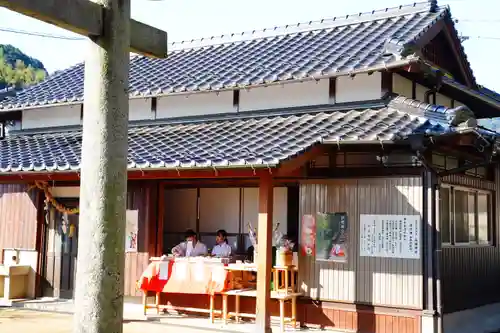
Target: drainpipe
[428, 94]
[436, 253]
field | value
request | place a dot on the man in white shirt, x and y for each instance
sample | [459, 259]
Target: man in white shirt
[191, 247]
[222, 249]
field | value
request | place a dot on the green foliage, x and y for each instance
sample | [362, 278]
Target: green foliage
[19, 70]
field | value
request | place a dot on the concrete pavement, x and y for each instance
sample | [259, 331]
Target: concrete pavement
[13, 320]
[19, 320]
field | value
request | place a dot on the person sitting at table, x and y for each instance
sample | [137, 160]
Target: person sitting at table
[221, 249]
[191, 247]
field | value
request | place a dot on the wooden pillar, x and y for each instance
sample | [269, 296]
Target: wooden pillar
[264, 246]
[152, 217]
[161, 220]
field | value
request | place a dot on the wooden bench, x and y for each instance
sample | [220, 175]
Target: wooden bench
[282, 297]
[159, 307]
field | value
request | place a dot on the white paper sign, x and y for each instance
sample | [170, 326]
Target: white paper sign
[181, 270]
[164, 270]
[131, 230]
[390, 236]
[218, 274]
[199, 271]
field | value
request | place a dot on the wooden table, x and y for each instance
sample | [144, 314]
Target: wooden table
[282, 297]
[183, 276]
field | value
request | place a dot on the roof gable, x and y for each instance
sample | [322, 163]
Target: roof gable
[445, 50]
[345, 45]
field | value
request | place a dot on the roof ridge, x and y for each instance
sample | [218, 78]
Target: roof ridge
[325, 23]
[418, 108]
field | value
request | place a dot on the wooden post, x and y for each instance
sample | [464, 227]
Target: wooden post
[101, 259]
[264, 255]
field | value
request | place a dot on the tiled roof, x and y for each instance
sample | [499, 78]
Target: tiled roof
[484, 94]
[490, 93]
[330, 47]
[252, 141]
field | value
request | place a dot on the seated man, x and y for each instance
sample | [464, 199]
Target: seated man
[221, 249]
[191, 247]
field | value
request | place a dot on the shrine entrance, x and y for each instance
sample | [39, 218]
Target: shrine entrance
[61, 249]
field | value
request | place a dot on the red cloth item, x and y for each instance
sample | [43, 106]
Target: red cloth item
[185, 277]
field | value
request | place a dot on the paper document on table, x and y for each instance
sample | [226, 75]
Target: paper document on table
[164, 270]
[199, 274]
[219, 274]
[180, 270]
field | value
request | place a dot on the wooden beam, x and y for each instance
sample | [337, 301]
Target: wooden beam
[455, 49]
[86, 18]
[264, 255]
[287, 168]
[144, 175]
[362, 172]
[40, 242]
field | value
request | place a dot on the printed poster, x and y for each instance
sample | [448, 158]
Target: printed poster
[131, 230]
[390, 236]
[332, 236]
[308, 236]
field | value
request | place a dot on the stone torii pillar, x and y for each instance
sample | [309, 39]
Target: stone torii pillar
[99, 284]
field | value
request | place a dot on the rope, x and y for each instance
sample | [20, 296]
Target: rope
[44, 186]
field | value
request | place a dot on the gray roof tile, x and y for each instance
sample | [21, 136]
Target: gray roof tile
[330, 47]
[264, 140]
[490, 93]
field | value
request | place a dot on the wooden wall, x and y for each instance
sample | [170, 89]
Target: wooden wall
[339, 317]
[363, 280]
[470, 274]
[18, 217]
[143, 197]
[208, 209]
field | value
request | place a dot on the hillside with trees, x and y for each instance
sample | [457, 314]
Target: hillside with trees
[18, 69]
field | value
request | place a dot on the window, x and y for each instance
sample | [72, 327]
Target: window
[445, 214]
[465, 216]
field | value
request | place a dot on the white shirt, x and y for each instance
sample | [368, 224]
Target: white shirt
[186, 250]
[222, 250]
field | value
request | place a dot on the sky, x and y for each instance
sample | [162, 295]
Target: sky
[193, 19]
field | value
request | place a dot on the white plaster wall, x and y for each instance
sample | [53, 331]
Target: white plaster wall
[251, 207]
[66, 191]
[51, 116]
[401, 86]
[194, 104]
[285, 95]
[420, 92]
[362, 87]
[219, 209]
[140, 109]
[443, 100]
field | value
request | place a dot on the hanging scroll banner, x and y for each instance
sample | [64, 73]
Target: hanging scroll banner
[332, 236]
[131, 230]
[308, 236]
